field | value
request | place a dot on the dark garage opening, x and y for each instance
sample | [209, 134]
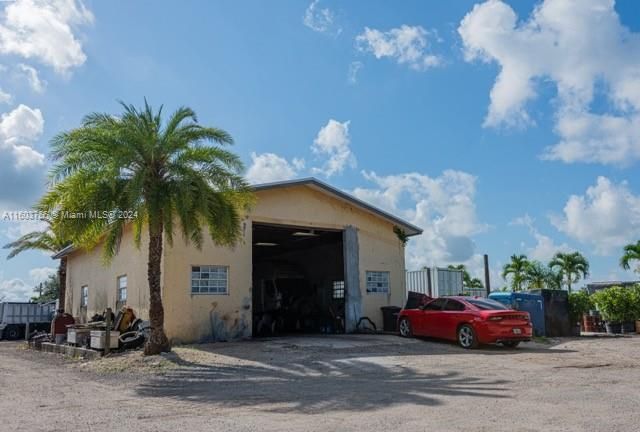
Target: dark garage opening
[298, 280]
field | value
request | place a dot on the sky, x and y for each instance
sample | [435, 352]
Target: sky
[497, 127]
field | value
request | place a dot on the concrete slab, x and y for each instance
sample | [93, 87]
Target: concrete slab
[339, 341]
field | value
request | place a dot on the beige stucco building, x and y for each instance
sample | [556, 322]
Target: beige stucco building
[311, 259]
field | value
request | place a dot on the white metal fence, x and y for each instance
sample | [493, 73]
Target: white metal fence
[436, 282]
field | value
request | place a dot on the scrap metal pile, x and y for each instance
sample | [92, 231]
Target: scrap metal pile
[126, 331]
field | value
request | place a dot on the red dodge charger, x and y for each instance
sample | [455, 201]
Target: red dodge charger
[469, 320]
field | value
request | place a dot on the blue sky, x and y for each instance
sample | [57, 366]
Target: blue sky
[498, 127]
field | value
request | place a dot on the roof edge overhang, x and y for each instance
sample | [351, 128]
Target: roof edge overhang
[410, 229]
[63, 252]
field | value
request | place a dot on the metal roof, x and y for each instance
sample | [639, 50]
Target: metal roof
[313, 182]
[410, 229]
[63, 252]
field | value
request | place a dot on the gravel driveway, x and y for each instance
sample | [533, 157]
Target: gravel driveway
[345, 383]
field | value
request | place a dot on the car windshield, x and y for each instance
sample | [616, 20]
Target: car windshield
[487, 304]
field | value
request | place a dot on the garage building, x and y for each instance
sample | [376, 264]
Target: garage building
[312, 259]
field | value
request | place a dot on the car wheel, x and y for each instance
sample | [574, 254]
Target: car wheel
[511, 344]
[467, 337]
[405, 327]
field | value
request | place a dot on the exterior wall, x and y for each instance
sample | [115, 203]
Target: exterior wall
[88, 268]
[202, 317]
[205, 317]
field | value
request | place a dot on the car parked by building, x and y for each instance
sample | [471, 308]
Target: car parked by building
[471, 321]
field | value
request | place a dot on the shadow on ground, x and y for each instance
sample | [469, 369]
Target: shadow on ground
[281, 377]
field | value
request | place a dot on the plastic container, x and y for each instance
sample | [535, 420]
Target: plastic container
[390, 318]
[629, 327]
[613, 328]
[98, 338]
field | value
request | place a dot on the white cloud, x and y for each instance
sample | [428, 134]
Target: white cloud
[15, 290]
[545, 247]
[320, 19]
[405, 44]
[580, 47]
[354, 68]
[333, 142]
[43, 30]
[269, 167]
[21, 166]
[18, 130]
[606, 217]
[18, 228]
[443, 206]
[41, 274]
[5, 97]
[37, 85]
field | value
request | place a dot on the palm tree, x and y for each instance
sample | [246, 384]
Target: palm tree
[166, 174]
[631, 253]
[571, 266]
[46, 241]
[554, 279]
[516, 268]
[537, 275]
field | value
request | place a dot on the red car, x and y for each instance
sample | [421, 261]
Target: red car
[469, 320]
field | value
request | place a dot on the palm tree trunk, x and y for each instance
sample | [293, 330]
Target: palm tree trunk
[62, 281]
[158, 341]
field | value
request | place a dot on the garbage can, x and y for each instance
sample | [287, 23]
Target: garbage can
[390, 317]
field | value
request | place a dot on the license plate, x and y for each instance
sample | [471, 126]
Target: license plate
[517, 331]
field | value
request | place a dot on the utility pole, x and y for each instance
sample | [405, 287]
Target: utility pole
[487, 279]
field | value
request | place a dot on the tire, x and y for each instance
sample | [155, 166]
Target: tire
[467, 338]
[131, 340]
[12, 333]
[511, 344]
[404, 327]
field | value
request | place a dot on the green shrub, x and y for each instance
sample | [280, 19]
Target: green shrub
[635, 293]
[579, 304]
[618, 304]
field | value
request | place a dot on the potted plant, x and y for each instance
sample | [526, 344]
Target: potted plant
[616, 306]
[579, 304]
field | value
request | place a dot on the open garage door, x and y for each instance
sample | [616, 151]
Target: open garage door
[298, 280]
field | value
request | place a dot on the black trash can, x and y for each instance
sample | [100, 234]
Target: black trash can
[390, 317]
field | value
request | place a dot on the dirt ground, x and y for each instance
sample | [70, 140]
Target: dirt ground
[338, 383]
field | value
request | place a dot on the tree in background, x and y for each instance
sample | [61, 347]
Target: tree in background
[631, 253]
[539, 276]
[467, 280]
[165, 174]
[516, 270]
[571, 266]
[536, 275]
[47, 291]
[50, 240]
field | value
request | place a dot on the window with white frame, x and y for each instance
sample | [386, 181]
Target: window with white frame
[84, 296]
[377, 282]
[209, 279]
[122, 290]
[338, 289]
